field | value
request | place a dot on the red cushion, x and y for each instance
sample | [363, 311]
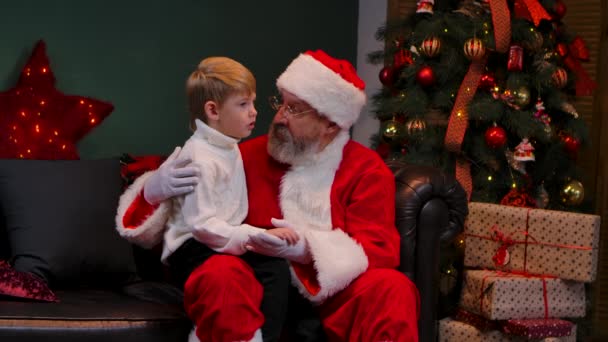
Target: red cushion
[23, 285]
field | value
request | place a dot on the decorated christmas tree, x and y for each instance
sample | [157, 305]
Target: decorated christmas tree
[483, 89]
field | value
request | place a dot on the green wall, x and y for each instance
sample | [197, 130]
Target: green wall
[137, 55]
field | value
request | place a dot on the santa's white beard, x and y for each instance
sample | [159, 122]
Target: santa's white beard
[284, 148]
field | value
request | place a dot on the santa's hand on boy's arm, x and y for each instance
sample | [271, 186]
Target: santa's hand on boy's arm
[270, 245]
[174, 177]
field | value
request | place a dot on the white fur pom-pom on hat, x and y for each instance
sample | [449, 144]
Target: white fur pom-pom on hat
[329, 85]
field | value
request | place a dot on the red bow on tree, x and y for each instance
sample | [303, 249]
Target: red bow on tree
[572, 56]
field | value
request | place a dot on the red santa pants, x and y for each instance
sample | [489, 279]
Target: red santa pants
[222, 297]
[380, 305]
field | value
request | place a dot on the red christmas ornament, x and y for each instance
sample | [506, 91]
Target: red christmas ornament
[430, 47]
[383, 149]
[561, 49]
[571, 144]
[402, 58]
[518, 198]
[425, 76]
[386, 76]
[474, 49]
[496, 137]
[38, 121]
[487, 81]
[559, 10]
[560, 77]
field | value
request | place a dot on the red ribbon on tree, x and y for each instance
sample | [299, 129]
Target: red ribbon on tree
[457, 125]
[531, 10]
[572, 56]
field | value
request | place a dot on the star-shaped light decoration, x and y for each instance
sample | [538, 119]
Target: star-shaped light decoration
[39, 122]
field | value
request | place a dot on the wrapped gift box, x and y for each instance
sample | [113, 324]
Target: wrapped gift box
[547, 242]
[538, 328]
[498, 295]
[454, 331]
[479, 322]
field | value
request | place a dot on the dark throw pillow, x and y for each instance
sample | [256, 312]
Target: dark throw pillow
[23, 285]
[60, 221]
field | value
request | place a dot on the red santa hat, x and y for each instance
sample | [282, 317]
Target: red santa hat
[329, 85]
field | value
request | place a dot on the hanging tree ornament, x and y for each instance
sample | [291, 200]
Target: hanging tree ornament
[474, 49]
[487, 81]
[559, 77]
[571, 144]
[521, 96]
[516, 58]
[495, 136]
[425, 76]
[541, 115]
[524, 151]
[387, 76]
[402, 56]
[568, 108]
[415, 128]
[572, 193]
[559, 10]
[391, 130]
[534, 42]
[425, 6]
[430, 47]
[515, 164]
[542, 198]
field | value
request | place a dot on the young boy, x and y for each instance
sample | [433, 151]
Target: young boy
[208, 221]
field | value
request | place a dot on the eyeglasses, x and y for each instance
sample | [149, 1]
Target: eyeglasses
[276, 103]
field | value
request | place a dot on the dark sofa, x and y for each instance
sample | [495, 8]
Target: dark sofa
[113, 291]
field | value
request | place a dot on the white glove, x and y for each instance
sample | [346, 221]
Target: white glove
[280, 223]
[173, 177]
[267, 244]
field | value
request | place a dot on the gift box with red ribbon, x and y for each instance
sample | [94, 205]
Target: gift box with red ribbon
[538, 328]
[533, 241]
[497, 295]
[454, 331]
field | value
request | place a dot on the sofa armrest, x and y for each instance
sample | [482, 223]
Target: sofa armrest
[430, 208]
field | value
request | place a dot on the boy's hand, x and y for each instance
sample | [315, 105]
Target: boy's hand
[285, 234]
[267, 244]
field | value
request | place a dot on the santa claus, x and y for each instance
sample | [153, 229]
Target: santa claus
[307, 175]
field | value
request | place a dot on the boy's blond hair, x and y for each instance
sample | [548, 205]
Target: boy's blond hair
[215, 79]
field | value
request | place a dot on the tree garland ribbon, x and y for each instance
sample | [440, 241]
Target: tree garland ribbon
[531, 10]
[458, 121]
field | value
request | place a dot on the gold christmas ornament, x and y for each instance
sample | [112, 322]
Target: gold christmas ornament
[474, 49]
[430, 47]
[572, 193]
[415, 127]
[521, 96]
[391, 129]
[535, 43]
